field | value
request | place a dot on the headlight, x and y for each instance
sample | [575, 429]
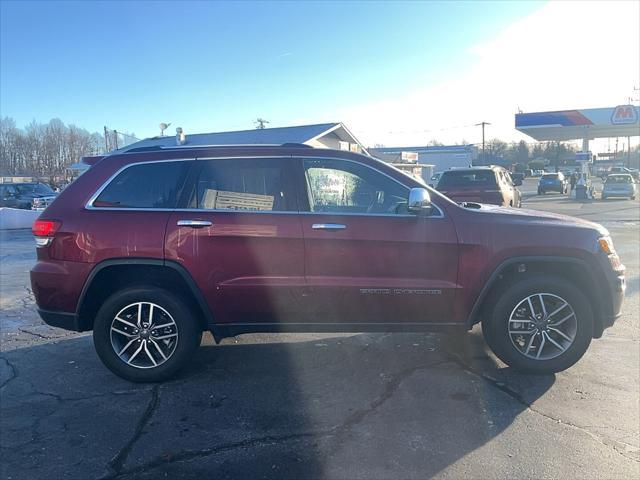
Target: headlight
[606, 245]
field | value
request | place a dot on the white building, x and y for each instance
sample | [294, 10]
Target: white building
[324, 135]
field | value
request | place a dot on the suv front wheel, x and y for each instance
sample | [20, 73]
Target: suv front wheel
[145, 334]
[540, 324]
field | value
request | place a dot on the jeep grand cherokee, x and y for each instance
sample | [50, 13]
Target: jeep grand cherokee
[149, 248]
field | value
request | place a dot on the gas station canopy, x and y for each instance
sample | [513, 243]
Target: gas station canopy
[587, 124]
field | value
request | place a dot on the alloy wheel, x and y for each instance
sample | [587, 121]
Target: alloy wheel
[144, 335]
[542, 326]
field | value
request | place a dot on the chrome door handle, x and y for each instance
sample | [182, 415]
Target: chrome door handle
[328, 226]
[194, 223]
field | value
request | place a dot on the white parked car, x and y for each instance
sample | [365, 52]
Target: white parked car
[619, 185]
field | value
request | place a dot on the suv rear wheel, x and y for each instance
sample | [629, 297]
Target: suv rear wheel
[540, 325]
[145, 334]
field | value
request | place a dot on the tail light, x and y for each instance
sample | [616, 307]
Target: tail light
[44, 230]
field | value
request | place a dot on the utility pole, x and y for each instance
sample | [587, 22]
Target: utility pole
[484, 157]
[106, 139]
[631, 100]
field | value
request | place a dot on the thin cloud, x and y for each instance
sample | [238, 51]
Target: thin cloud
[565, 55]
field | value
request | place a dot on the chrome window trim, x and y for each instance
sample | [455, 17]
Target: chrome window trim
[89, 203]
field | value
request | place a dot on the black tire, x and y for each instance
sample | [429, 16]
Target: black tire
[495, 324]
[604, 197]
[187, 327]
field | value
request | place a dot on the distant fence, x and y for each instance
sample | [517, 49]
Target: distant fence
[114, 139]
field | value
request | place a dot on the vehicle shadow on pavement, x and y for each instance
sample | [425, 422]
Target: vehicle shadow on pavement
[362, 406]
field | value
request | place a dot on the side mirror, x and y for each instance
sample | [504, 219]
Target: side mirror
[419, 201]
[517, 182]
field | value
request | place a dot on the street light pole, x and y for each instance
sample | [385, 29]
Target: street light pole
[484, 157]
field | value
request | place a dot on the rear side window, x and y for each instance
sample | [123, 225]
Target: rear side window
[8, 191]
[147, 185]
[258, 184]
[468, 178]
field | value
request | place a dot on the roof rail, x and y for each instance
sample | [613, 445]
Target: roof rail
[155, 148]
[289, 144]
[300, 145]
[143, 149]
[208, 145]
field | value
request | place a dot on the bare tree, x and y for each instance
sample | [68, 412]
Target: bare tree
[44, 150]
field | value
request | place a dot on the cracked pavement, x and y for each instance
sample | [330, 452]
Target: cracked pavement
[319, 406]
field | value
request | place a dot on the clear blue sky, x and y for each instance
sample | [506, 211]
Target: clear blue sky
[212, 66]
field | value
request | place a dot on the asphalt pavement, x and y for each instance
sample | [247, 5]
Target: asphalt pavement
[322, 406]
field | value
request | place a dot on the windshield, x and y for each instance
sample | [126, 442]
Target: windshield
[551, 176]
[468, 178]
[34, 189]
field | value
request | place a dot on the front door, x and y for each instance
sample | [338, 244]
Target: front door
[367, 259]
[240, 237]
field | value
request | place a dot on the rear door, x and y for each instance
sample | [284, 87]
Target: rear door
[367, 259]
[239, 235]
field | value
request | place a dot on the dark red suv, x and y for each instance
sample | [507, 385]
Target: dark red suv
[492, 184]
[151, 247]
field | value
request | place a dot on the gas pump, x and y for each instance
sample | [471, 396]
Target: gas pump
[583, 190]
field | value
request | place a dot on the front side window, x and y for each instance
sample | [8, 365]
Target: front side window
[336, 186]
[243, 185]
[147, 185]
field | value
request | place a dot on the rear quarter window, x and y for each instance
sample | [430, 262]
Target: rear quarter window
[147, 185]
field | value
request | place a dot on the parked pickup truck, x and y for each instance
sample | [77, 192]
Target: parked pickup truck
[33, 195]
[151, 247]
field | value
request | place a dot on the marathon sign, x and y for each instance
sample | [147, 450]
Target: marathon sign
[580, 124]
[624, 115]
